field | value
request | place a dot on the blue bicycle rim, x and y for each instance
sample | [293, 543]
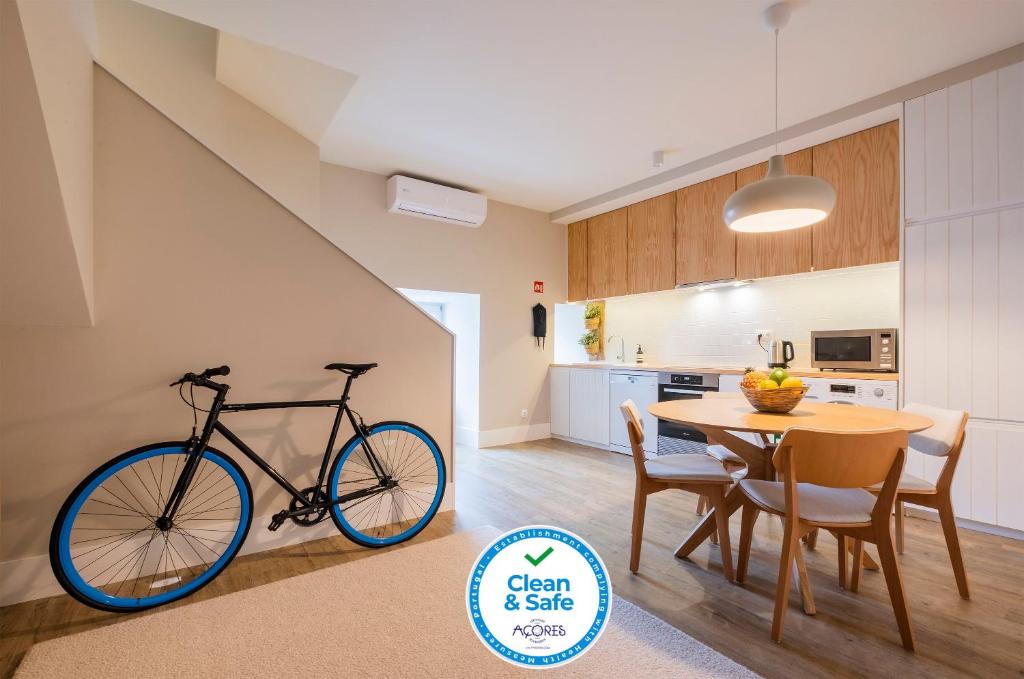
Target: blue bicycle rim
[353, 445]
[99, 596]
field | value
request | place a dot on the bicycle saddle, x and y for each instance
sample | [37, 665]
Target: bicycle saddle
[354, 369]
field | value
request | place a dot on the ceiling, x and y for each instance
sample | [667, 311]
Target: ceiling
[544, 104]
[303, 94]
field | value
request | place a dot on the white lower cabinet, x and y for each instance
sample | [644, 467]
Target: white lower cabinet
[560, 379]
[729, 383]
[579, 404]
[588, 405]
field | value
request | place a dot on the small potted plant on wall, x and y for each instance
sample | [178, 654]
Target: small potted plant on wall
[592, 316]
[591, 341]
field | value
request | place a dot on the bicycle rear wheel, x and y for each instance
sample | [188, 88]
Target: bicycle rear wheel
[107, 550]
[411, 458]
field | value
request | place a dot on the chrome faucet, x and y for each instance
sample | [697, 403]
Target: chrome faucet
[621, 357]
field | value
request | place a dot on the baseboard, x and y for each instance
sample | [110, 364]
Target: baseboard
[518, 434]
[32, 578]
[581, 442]
[967, 524]
[467, 437]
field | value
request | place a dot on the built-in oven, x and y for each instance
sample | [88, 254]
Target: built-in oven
[678, 438]
[868, 350]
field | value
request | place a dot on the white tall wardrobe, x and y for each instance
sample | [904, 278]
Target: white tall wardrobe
[963, 339]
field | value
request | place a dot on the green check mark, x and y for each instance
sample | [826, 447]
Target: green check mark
[536, 562]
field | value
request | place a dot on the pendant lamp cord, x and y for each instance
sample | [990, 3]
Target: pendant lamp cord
[776, 91]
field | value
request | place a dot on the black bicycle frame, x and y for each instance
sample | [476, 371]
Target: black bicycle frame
[213, 424]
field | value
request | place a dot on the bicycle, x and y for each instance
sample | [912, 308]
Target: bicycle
[159, 522]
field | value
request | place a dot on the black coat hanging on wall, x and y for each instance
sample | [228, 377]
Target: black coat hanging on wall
[540, 325]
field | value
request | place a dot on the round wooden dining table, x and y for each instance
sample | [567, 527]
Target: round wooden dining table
[719, 419]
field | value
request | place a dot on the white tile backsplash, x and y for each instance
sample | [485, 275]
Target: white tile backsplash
[719, 327]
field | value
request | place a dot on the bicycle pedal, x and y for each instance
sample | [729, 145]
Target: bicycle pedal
[277, 520]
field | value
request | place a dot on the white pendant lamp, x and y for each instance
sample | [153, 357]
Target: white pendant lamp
[780, 201]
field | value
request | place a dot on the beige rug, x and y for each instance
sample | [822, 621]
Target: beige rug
[398, 614]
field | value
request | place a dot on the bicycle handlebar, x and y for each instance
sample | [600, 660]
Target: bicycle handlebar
[202, 379]
[215, 372]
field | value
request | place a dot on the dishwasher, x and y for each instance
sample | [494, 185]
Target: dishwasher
[642, 388]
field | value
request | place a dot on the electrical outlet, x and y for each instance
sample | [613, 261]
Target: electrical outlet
[523, 413]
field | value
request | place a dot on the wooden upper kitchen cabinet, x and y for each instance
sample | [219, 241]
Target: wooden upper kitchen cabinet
[650, 244]
[705, 246]
[606, 255]
[760, 255]
[577, 261]
[864, 169]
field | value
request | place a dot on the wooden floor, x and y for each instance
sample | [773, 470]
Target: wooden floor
[590, 492]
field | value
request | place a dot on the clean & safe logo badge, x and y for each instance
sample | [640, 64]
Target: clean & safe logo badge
[539, 596]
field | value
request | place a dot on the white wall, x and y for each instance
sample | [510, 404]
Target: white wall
[196, 266]
[719, 327]
[964, 281]
[171, 62]
[499, 261]
[462, 317]
[46, 231]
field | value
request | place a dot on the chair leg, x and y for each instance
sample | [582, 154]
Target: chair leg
[899, 526]
[858, 564]
[717, 499]
[702, 505]
[811, 539]
[841, 539]
[894, 581]
[953, 546]
[802, 582]
[707, 504]
[639, 508]
[750, 513]
[790, 543]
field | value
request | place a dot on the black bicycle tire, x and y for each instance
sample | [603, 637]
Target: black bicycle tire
[337, 460]
[58, 570]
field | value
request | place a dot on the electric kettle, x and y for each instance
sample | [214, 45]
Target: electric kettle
[780, 353]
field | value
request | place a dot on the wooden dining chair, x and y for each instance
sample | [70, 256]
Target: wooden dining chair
[734, 464]
[943, 439]
[824, 474]
[700, 474]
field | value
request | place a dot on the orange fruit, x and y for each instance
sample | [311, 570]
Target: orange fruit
[792, 382]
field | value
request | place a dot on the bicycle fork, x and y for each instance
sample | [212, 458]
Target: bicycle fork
[194, 451]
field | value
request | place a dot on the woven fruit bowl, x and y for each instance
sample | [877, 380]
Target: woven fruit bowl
[780, 400]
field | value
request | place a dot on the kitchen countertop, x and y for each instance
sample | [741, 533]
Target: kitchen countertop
[660, 367]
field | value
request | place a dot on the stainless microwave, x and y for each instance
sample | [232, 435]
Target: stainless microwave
[867, 350]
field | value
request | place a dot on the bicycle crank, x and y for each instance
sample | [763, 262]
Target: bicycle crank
[313, 516]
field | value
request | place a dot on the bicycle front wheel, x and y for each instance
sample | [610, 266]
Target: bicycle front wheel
[108, 548]
[411, 459]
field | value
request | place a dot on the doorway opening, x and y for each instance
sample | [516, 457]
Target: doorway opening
[460, 313]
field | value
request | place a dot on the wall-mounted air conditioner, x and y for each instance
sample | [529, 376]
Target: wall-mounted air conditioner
[417, 198]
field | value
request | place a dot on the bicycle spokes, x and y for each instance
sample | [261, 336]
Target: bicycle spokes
[409, 483]
[116, 547]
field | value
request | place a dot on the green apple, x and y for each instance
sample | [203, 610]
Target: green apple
[778, 375]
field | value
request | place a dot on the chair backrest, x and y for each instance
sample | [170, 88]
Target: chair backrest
[635, 428]
[942, 437]
[840, 459]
